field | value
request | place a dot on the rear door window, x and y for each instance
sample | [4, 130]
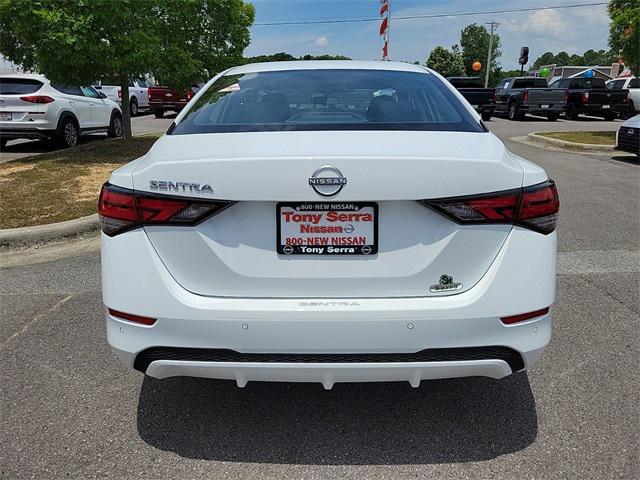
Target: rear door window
[19, 86]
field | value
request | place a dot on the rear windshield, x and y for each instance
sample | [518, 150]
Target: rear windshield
[472, 82]
[19, 86]
[530, 83]
[327, 100]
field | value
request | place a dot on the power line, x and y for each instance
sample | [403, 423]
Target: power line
[432, 15]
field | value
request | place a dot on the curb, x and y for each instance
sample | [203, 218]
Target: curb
[587, 147]
[18, 237]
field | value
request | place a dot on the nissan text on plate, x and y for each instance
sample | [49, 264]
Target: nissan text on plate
[328, 221]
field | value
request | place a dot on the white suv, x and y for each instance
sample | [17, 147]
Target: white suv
[32, 107]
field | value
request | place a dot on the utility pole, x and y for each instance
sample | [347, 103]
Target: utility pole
[494, 25]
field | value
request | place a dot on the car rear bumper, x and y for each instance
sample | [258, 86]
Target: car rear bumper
[539, 110]
[167, 105]
[328, 375]
[136, 281]
[599, 111]
[39, 133]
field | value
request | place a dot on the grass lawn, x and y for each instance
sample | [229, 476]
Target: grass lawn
[595, 138]
[62, 185]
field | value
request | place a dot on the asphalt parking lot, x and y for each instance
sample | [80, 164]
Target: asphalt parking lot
[70, 409]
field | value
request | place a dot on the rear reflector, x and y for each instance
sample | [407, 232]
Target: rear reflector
[534, 207]
[132, 318]
[37, 99]
[524, 316]
[121, 209]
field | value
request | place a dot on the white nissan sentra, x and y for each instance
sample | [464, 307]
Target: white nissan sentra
[328, 222]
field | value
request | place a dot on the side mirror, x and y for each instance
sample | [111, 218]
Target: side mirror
[102, 95]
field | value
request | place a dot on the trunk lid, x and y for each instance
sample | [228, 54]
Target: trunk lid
[234, 253]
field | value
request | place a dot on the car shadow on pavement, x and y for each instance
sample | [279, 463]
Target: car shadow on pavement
[630, 159]
[24, 148]
[444, 421]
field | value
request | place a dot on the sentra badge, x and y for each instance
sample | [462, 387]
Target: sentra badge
[191, 187]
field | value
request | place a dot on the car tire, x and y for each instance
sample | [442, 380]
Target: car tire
[3, 142]
[609, 116]
[115, 126]
[571, 113]
[159, 113]
[552, 116]
[486, 116]
[513, 113]
[68, 132]
[631, 112]
[133, 107]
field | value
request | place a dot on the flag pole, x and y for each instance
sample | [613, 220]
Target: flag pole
[385, 14]
[388, 26]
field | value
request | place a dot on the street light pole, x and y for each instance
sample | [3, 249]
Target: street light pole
[488, 66]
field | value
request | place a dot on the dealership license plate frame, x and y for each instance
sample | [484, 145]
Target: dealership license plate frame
[360, 250]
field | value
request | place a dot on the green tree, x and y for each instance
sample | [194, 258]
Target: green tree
[447, 63]
[562, 59]
[545, 59]
[77, 42]
[576, 59]
[474, 40]
[624, 31]
[287, 57]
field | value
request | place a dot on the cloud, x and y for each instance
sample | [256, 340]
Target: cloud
[545, 21]
[321, 42]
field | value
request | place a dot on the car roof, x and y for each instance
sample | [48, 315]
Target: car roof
[327, 64]
[34, 76]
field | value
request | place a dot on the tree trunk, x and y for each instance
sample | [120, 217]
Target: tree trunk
[126, 112]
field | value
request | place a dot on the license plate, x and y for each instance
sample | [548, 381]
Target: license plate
[5, 116]
[327, 228]
[545, 106]
[606, 106]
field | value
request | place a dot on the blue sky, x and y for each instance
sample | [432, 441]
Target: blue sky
[572, 30]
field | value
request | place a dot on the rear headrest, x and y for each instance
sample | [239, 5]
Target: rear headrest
[385, 109]
[271, 108]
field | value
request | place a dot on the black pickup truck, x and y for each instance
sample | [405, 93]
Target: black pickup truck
[480, 98]
[518, 96]
[591, 97]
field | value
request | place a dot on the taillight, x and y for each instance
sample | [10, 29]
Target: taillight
[189, 94]
[119, 93]
[494, 96]
[566, 96]
[121, 209]
[37, 99]
[539, 207]
[534, 207]
[585, 97]
[525, 96]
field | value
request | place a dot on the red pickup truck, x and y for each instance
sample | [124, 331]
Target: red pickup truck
[162, 99]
